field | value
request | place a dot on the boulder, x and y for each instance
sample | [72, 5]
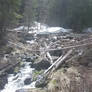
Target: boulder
[27, 81]
[40, 82]
[29, 60]
[10, 71]
[3, 81]
[42, 65]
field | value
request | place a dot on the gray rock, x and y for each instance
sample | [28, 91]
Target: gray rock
[41, 81]
[3, 81]
[42, 65]
[28, 59]
[27, 81]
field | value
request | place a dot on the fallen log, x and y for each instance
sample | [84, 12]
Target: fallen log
[60, 60]
[64, 57]
[52, 65]
[48, 54]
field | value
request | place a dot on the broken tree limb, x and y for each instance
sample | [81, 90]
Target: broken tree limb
[60, 59]
[46, 71]
[48, 54]
[64, 57]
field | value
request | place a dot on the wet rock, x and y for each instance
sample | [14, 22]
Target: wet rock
[15, 73]
[41, 81]
[16, 77]
[10, 71]
[56, 53]
[41, 65]
[29, 37]
[27, 81]
[28, 60]
[3, 81]
[23, 65]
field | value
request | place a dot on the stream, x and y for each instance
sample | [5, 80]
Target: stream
[16, 81]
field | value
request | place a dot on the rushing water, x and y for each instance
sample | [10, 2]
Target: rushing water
[16, 82]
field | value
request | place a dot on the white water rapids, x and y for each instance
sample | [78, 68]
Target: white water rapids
[16, 82]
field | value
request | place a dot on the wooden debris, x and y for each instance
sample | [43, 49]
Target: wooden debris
[48, 54]
[47, 45]
[46, 50]
[58, 61]
[63, 58]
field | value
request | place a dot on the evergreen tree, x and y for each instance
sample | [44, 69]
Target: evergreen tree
[9, 12]
[35, 10]
[75, 14]
[9, 15]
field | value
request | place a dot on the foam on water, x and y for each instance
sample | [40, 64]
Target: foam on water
[16, 82]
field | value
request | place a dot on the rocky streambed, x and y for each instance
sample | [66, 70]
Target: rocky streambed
[23, 75]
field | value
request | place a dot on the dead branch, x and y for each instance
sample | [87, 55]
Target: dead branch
[58, 61]
[64, 57]
[48, 54]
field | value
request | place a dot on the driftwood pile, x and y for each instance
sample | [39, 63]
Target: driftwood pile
[57, 49]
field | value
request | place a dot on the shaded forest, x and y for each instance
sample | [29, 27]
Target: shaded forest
[75, 14]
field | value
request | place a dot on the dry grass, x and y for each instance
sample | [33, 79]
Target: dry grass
[71, 81]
